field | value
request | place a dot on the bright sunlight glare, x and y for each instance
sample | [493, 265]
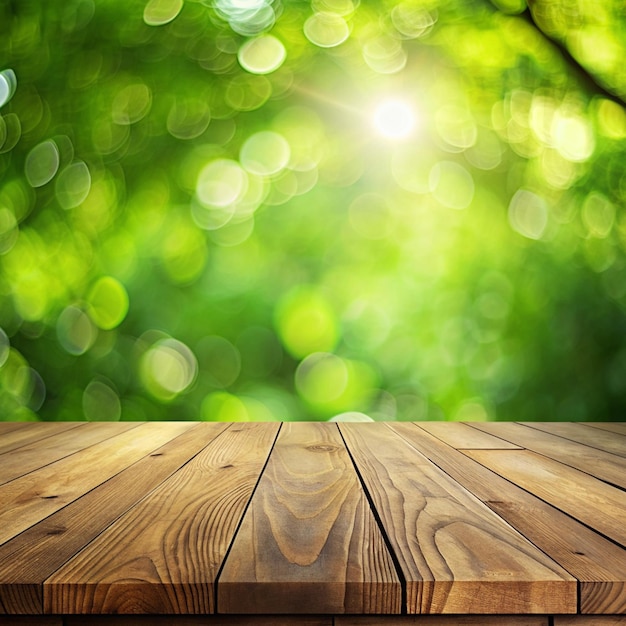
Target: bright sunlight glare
[394, 119]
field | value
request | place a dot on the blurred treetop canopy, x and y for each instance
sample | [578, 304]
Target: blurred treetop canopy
[283, 209]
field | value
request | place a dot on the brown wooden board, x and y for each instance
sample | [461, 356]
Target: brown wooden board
[596, 562]
[612, 427]
[461, 436]
[594, 437]
[32, 456]
[206, 620]
[309, 542]
[29, 499]
[31, 557]
[7, 427]
[163, 555]
[579, 620]
[578, 494]
[443, 620]
[16, 438]
[604, 465]
[456, 554]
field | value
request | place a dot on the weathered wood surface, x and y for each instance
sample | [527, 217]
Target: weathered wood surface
[313, 524]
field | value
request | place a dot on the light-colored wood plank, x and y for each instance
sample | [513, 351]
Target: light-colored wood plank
[442, 620]
[604, 465]
[456, 554]
[7, 427]
[205, 620]
[29, 499]
[164, 554]
[16, 438]
[309, 542]
[587, 435]
[45, 451]
[612, 427]
[585, 498]
[461, 435]
[596, 562]
[30, 558]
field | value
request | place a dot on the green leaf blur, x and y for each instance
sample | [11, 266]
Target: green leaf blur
[293, 210]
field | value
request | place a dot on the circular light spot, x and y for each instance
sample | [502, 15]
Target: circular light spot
[8, 230]
[246, 17]
[132, 104]
[221, 183]
[168, 368]
[412, 20]
[306, 322]
[262, 55]
[456, 127]
[108, 303]
[248, 92]
[265, 153]
[452, 185]
[188, 118]
[322, 378]
[528, 214]
[5, 347]
[159, 12]
[101, 403]
[8, 85]
[598, 215]
[42, 163]
[224, 407]
[394, 119]
[384, 54]
[75, 331]
[326, 30]
[12, 131]
[351, 416]
[219, 360]
[73, 185]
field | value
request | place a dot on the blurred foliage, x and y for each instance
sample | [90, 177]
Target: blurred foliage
[281, 209]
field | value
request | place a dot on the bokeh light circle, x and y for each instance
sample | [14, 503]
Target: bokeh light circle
[265, 153]
[262, 55]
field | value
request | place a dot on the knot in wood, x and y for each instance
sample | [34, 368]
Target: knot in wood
[322, 447]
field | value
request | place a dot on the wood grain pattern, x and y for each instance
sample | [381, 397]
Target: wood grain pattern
[461, 436]
[32, 456]
[612, 427]
[603, 465]
[442, 620]
[29, 499]
[601, 620]
[581, 433]
[586, 498]
[17, 437]
[596, 562]
[31, 557]
[309, 542]
[206, 620]
[164, 554]
[439, 533]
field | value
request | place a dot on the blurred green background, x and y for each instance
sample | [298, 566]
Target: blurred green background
[281, 209]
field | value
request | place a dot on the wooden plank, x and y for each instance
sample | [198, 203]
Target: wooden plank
[603, 465]
[309, 542]
[30, 558]
[581, 433]
[29, 499]
[443, 620]
[596, 562]
[456, 554]
[600, 620]
[45, 451]
[19, 437]
[584, 497]
[7, 427]
[163, 555]
[461, 436]
[205, 620]
[612, 427]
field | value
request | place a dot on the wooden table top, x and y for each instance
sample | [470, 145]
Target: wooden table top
[313, 518]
